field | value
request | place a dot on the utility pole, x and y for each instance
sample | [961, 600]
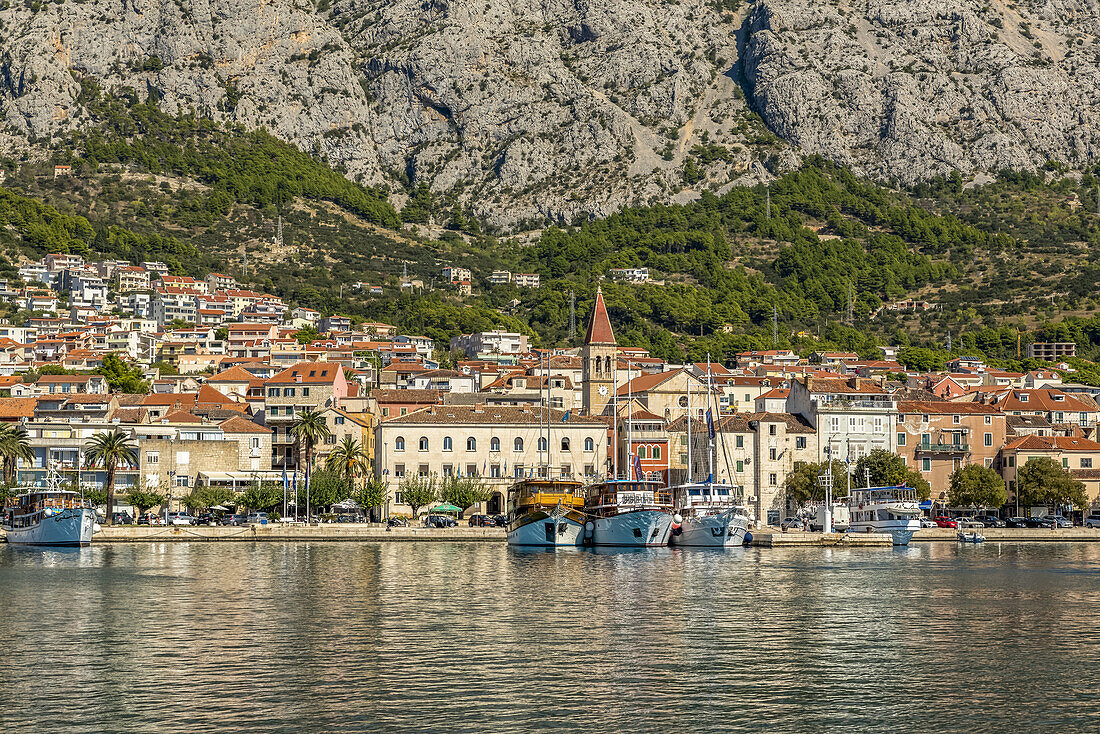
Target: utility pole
[572, 315]
[775, 326]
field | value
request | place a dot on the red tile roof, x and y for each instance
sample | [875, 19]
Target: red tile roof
[599, 326]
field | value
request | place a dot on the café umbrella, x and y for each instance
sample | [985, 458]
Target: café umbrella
[446, 508]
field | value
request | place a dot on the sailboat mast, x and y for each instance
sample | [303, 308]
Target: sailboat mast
[629, 423]
[615, 418]
[689, 475]
[710, 437]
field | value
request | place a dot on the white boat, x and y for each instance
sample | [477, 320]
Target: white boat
[707, 516]
[892, 510]
[546, 513]
[968, 531]
[51, 517]
[628, 513]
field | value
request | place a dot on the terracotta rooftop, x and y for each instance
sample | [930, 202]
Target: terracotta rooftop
[599, 325]
[493, 414]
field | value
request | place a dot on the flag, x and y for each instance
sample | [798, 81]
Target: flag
[565, 418]
[285, 485]
[295, 484]
[638, 468]
[710, 424]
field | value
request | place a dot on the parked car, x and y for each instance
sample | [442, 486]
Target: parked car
[990, 521]
[397, 522]
[234, 520]
[793, 523]
[1039, 522]
[180, 518]
[927, 522]
[150, 518]
[204, 518]
[1092, 521]
[256, 518]
[122, 518]
[501, 520]
[440, 521]
[482, 521]
[1016, 522]
[945, 522]
[1062, 522]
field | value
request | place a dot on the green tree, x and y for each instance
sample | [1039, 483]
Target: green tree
[889, 470]
[1042, 481]
[463, 492]
[307, 334]
[14, 445]
[326, 487]
[264, 496]
[373, 493]
[976, 486]
[417, 491]
[803, 485]
[143, 499]
[202, 498]
[122, 377]
[110, 450]
[309, 429]
[349, 461]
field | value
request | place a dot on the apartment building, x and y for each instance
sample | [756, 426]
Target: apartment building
[307, 385]
[937, 437]
[852, 416]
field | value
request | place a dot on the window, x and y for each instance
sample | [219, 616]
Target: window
[656, 452]
[771, 429]
[288, 392]
[518, 470]
[565, 444]
[834, 423]
[182, 480]
[926, 438]
[330, 440]
[399, 444]
[494, 444]
[800, 442]
[1011, 461]
[517, 445]
[399, 470]
[273, 392]
[589, 444]
[448, 444]
[567, 470]
[385, 412]
[1086, 463]
[851, 424]
[471, 444]
[557, 403]
[956, 419]
[988, 439]
[901, 439]
[740, 466]
[471, 470]
[989, 420]
[305, 392]
[339, 420]
[641, 452]
[988, 463]
[926, 464]
[422, 470]
[1065, 462]
[494, 471]
[1083, 418]
[254, 443]
[152, 457]
[684, 459]
[423, 445]
[773, 479]
[542, 443]
[924, 419]
[740, 442]
[771, 454]
[878, 424]
[590, 470]
[448, 470]
[404, 411]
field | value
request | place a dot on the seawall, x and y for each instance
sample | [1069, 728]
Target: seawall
[284, 533]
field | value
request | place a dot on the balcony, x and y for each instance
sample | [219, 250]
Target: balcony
[943, 448]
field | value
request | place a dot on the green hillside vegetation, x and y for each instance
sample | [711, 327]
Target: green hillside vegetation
[148, 185]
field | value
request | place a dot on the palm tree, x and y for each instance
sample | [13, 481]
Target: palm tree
[309, 429]
[349, 460]
[14, 445]
[110, 450]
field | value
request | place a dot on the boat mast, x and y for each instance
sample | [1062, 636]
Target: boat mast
[546, 376]
[689, 475]
[629, 424]
[615, 418]
[710, 435]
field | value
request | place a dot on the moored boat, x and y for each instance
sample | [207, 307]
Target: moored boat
[707, 515]
[628, 513]
[891, 510]
[546, 513]
[50, 517]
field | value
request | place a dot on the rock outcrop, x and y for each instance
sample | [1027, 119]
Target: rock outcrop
[532, 109]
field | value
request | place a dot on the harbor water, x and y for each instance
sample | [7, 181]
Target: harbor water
[474, 637]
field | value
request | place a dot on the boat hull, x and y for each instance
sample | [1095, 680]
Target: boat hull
[901, 532]
[72, 527]
[712, 531]
[543, 530]
[636, 529]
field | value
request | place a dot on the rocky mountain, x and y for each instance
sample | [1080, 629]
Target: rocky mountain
[527, 109]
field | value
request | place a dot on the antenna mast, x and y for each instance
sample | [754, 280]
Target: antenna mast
[775, 331]
[572, 315]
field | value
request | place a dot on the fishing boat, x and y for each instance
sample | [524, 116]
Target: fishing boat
[968, 531]
[628, 513]
[892, 510]
[546, 513]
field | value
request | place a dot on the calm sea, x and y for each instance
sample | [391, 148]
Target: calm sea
[347, 637]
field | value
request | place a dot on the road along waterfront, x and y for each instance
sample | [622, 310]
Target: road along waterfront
[477, 637]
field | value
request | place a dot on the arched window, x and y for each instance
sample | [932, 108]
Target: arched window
[656, 453]
[471, 444]
[518, 444]
[565, 444]
[448, 444]
[542, 443]
[641, 452]
[423, 443]
[494, 444]
[607, 365]
[399, 443]
[589, 444]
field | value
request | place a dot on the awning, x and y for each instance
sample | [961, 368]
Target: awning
[925, 504]
[446, 508]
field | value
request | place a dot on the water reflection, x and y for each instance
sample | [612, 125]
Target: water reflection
[478, 637]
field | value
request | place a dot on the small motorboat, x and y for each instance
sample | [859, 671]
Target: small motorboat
[969, 531]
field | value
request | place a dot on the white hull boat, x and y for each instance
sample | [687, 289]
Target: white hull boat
[723, 530]
[546, 513]
[889, 510]
[69, 527]
[637, 528]
[546, 530]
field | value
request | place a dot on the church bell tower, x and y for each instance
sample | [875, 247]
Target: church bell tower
[600, 357]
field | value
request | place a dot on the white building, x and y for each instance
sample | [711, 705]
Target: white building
[630, 275]
[490, 342]
[852, 416]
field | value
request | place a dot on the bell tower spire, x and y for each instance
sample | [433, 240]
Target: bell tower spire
[600, 357]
